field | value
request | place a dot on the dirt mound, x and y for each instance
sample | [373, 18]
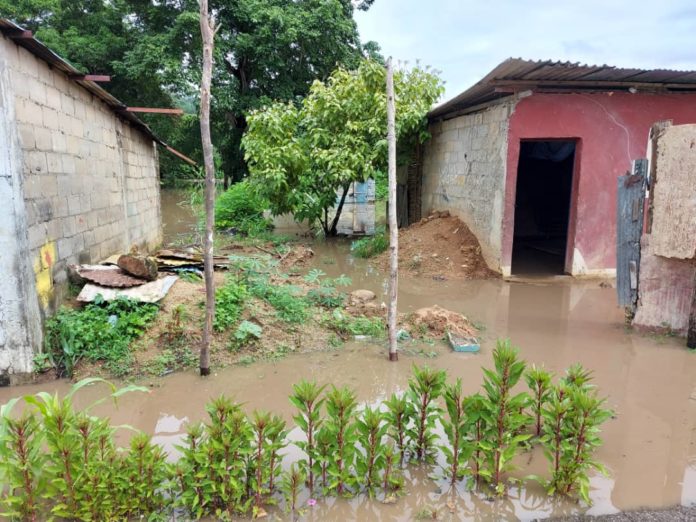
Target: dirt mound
[442, 247]
[435, 321]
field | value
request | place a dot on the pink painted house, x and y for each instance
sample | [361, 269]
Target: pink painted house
[529, 158]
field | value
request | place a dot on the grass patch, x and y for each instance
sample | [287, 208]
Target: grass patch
[370, 246]
[346, 325]
[229, 303]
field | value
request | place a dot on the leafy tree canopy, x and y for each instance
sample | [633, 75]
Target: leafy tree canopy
[265, 50]
[300, 155]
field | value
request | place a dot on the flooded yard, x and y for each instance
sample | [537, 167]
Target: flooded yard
[649, 447]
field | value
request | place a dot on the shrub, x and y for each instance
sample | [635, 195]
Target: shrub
[241, 209]
[367, 247]
[99, 332]
[229, 303]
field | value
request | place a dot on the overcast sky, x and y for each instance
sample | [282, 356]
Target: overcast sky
[465, 39]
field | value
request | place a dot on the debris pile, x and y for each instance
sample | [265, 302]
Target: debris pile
[442, 247]
[435, 321]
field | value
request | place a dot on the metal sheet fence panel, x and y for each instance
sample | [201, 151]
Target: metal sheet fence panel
[629, 228]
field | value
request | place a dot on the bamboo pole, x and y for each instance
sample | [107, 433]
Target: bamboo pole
[208, 35]
[393, 226]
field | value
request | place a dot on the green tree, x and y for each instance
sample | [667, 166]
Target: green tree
[265, 50]
[299, 156]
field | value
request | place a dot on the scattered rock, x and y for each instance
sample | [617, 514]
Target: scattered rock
[139, 266]
[362, 296]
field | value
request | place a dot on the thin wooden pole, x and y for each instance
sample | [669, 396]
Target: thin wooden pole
[207, 34]
[393, 226]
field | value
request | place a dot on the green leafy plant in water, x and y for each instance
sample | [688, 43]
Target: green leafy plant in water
[476, 415]
[372, 461]
[291, 484]
[340, 408]
[346, 325]
[306, 397]
[324, 447]
[241, 208]
[539, 383]
[397, 416]
[459, 450]
[367, 247]
[314, 276]
[570, 435]
[505, 418]
[424, 388]
[57, 462]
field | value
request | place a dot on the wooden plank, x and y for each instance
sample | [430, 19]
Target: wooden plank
[90, 77]
[155, 110]
[629, 229]
[181, 156]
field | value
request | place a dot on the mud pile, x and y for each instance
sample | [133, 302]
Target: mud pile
[442, 247]
[435, 321]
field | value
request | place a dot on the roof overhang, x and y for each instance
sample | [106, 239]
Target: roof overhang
[515, 76]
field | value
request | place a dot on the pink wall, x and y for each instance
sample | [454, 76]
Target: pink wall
[611, 130]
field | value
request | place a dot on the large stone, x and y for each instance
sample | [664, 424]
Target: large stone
[139, 266]
[362, 296]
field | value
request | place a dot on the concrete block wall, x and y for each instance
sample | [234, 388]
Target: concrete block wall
[464, 171]
[91, 181]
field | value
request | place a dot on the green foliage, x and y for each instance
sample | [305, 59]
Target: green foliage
[398, 414]
[504, 415]
[424, 388]
[56, 462]
[98, 332]
[247, 332]
[177, 357]
[340, 408]
[240, 208]
[459, 451]
[306, 398]
[229, 303]
[372, 461]
[370, 246]
[539, 382]
[346, 325]
[570, 433]
[300, 156]
[265, 50]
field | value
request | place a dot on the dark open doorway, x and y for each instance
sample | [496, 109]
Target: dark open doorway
[542, 206]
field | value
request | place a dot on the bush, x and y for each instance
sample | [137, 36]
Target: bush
[240, 208]
[99, 332]
[229, 303]
[370, 246]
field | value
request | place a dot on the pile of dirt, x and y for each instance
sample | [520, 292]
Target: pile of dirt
[442, 247]
[435, 321]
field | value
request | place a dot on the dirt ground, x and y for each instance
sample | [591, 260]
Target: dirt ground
[439, 246]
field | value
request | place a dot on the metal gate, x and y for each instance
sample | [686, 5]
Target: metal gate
[629, 228]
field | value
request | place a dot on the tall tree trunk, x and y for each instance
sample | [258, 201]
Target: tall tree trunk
[208, 34]
[393, 226]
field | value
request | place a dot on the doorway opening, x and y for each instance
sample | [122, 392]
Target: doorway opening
[542, 207]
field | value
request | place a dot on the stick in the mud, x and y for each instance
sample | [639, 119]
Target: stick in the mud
[207, 34]
[393, 227]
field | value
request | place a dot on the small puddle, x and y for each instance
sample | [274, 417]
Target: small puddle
[649, 448]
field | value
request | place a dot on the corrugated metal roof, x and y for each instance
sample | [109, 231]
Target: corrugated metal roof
[567, 76]
[24, 39]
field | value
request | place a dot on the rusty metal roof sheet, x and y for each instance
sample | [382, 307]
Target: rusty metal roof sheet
[38, 49]
[516, 73]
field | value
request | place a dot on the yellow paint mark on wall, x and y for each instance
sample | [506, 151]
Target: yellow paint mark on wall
[44, 274]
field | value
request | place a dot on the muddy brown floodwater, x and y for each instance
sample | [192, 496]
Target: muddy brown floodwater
[178, 220]
[649, 448]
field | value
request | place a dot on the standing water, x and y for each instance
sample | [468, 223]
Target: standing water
[649, 447]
